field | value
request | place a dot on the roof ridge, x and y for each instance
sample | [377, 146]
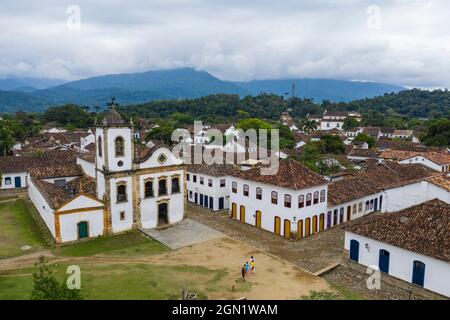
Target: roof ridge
[292, 173]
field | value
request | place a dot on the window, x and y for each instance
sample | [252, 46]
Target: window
[274, 197]
[234, 187]
[202, 180]
[100, 147]
[60, 182]
[258, 193]
[308, 199]
[148, 189]
[287, 201]
[188, 177]
[355, 208]
[162, 187]
[122, 193]
[316, 197]
[360, 206]
[175, 185]
[371, 204]
[194, 178]
[210, 183]
[245, 190]
[190, 194]
[322, 196]
[8, 181]
[367, 205]
[222, 183]
[122, 215]
[119, 147]
[301, 201]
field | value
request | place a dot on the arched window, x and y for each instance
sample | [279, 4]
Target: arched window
[308, 199]
[316, 197]
[322, 196]
[122, 193]
[100, 147]
[148, 189]
[274, 197]
[119, 147]
[162, 187]
[258, 193]
[234, 187]
[245, 190]
[8, 181]
[287, 201]
[301, 201]
[175, 185]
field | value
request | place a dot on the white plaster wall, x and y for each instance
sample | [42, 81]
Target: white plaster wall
[358, 214]
[84, 141]
[149, 206]
[437, 273]
[424, 161]
[23, 180]
[125, 133]
[88, 167]
[332, 125]
[412, 194]
[215, 191]
[153, 162]
[100, 160]
[100, 185]
[269, 211]
[42, 207]
[68, 224]
[81, 202]
[127, 207]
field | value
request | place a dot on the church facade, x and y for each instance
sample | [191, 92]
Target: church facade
[119, 187]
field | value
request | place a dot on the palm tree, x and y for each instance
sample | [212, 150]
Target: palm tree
[308, 126]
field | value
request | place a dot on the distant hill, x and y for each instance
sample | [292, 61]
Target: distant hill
[28, 84]
[136, 88]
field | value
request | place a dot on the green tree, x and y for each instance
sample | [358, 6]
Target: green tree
[438, 133]
[69, 114]
[365, 138]
[7, 140]
[308, 126]
[47, 287]
[163, 132]
[331, 144]
[350, 123]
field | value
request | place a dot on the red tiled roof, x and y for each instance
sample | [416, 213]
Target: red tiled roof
[423, 229]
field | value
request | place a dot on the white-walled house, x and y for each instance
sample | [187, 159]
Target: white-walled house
[439, 161]
[208, 185]
[291, 203]
[412, 245]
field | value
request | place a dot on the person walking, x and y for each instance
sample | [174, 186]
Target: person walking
[252, 264]
[243, 272]
[247, 267]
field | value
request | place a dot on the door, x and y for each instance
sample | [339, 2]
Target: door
[277, 226]
[341, 215]
[242, 214]
[83, 230]
[322, 222]
[220, 203]
[206, 201]
[307, 227]
[17, 182]
[335, 217]
[287, 229]
[314, 225]
[375, 205]
[354, 250]
[329, 219]
[300, 229]
[258, 219]
[163, 214]
[381, 202]
[383, 261]
[418, 273]
[201, 199]
[349, 213]
[233, 210]
[196, 198]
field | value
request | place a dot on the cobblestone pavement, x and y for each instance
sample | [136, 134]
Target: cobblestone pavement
[312, 254]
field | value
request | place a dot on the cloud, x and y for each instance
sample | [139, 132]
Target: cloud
[396, 41]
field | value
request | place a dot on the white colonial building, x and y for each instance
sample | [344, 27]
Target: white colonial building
[120, 186]
[412, 245]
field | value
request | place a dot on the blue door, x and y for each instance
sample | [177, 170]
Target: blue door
[329, 219]
[221, 203]
[383, 261]
[201, 199]
[418, 273]
[354, 250]
[17, 182]
[381, 201]
[196, 198]
[375, 205]
[211, 203]
[206, 201]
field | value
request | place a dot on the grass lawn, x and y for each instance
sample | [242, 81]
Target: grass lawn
[18, 229]
[127, 244]
[124, 281]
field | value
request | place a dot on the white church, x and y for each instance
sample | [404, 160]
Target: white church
[118, 187]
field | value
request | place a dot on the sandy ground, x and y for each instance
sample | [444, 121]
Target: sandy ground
[274, 278]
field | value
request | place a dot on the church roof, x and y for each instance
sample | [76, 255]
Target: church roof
[113, 119]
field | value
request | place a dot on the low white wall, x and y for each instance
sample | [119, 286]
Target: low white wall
[68, 224]
[42, 207]
[88, 167]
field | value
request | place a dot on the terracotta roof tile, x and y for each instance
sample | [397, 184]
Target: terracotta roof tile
[65, 170]
[423, 229]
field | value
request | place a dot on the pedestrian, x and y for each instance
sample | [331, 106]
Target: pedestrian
[252, 264]
[243, 272]
[247, 267]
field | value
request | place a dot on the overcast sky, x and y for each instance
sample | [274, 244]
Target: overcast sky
[404, 42]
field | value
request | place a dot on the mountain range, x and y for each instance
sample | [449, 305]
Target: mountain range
[35, 95]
